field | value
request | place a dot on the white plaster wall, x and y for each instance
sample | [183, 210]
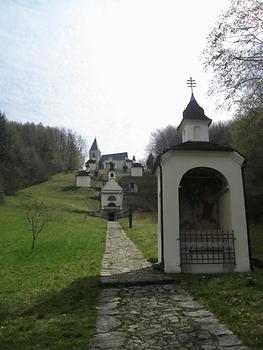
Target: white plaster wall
[106, 165]
[105, 202]
[97, 155]
[198, 133]
[175, 164]
[83, 181]
[136, 171]
[111, 175]
[92, 166]
[224, 210]
[171, 218]
[159, 218]
[191, 134]
[118, 164]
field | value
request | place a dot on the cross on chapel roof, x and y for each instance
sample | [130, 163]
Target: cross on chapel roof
[191, 83]
[193, 110]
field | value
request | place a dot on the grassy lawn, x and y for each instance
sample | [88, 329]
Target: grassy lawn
[257, 241]
[48, 295]
[236, 299]
[143, 232]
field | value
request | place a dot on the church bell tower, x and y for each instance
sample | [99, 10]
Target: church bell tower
[94, 152]
[194, 125]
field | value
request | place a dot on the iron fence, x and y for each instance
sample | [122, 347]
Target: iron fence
[207, 247]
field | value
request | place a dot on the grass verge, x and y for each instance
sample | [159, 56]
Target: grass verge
[48, 295]
[143, 233]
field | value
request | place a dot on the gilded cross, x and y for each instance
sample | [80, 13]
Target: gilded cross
[191, 83]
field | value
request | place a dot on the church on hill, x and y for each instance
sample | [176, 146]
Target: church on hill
[103, 161]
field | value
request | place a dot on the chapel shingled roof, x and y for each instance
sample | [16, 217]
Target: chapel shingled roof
[136, 165]
[194, 112]
[114, 156]
[196, 146]
[94, 146]
[111, 186]
[201, 146]
[83, 173]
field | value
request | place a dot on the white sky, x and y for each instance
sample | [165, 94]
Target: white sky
[114, 69]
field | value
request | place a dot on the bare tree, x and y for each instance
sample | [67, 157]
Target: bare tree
[82, 148]
[234, 52]
[162, 139]
[220, 132]
[37, 216]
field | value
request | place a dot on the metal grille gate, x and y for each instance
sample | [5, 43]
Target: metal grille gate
[207, 247]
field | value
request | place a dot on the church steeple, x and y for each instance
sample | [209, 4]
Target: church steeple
[94, 146]
[94, 152]
[194, 125]
[194, 111]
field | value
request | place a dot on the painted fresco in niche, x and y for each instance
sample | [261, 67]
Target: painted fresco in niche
[199, 201]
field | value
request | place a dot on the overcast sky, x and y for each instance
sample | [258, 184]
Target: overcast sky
[114, 69]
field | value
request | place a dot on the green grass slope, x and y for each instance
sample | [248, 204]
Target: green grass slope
[143, 233]
[48, 295]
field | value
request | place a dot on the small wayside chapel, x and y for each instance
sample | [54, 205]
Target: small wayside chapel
[83, 179]
[202, 224]
[111, 197]
[136, 169]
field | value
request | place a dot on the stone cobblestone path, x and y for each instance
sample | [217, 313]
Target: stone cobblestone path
[140, 308]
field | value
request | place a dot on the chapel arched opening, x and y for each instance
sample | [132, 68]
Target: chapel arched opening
[206, 236]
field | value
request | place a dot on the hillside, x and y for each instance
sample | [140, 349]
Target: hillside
[143, 200]
[146, 197]
[48, 295]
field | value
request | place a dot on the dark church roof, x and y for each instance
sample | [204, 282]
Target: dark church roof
[136, 165]
[83, 173]
[94, 146]
[91, 161]
[194, 112]
[112, 166]
[195, 146]
[201, 146]
[113, 156]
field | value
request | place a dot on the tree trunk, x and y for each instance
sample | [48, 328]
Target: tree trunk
[33, 243]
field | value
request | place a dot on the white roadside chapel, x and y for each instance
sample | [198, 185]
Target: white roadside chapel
[136, 169]
[111, 199]
[202, 224]
[83, 179]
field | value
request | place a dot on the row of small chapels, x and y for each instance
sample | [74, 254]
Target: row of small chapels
[202, 225]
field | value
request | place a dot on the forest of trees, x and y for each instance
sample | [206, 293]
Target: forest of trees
[31, 153]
